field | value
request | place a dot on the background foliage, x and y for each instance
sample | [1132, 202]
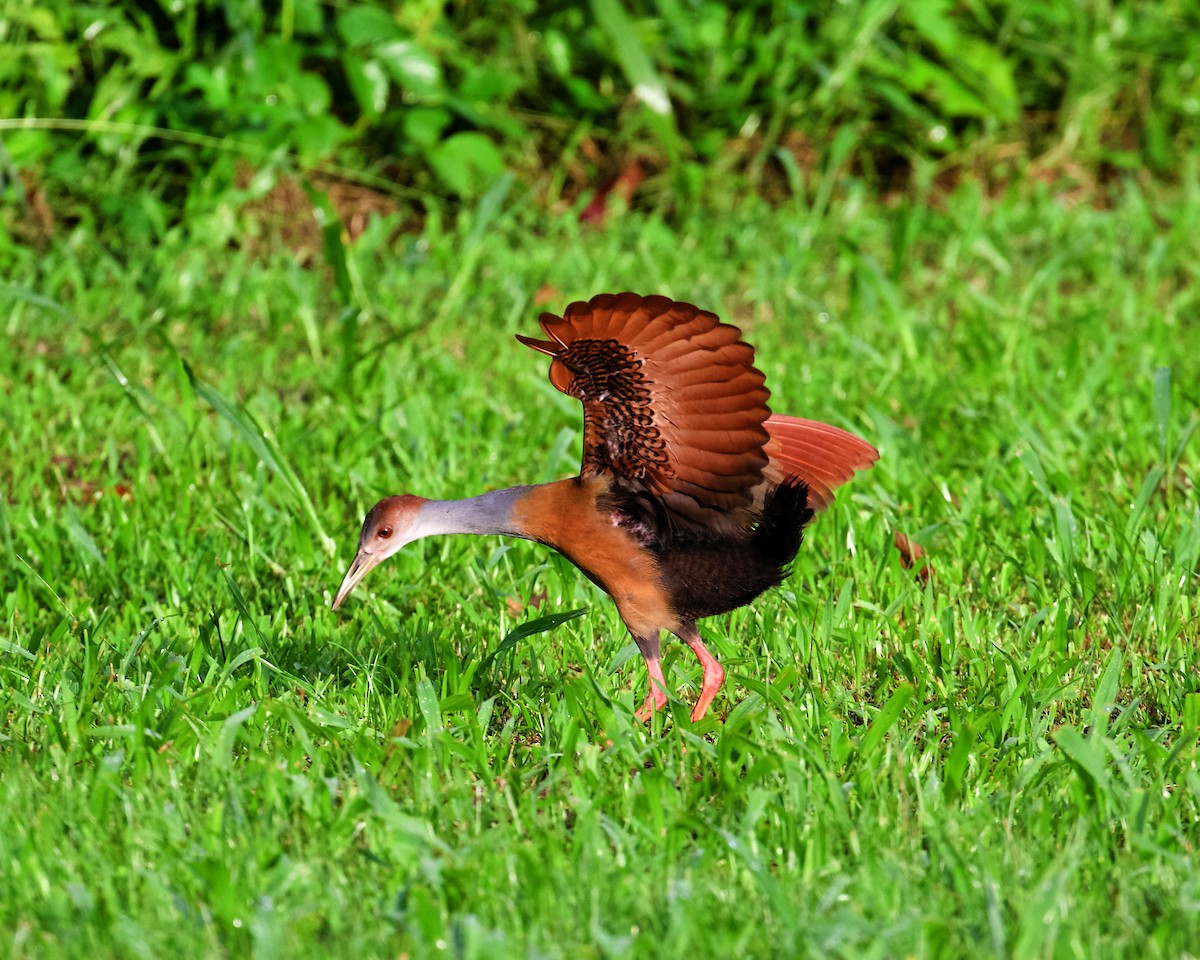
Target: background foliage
[436, 99]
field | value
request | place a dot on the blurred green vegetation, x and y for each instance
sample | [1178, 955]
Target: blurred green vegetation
[437, 100]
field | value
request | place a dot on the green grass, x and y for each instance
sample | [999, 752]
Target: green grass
[198, 757]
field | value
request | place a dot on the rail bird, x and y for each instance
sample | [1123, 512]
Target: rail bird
[692, 497]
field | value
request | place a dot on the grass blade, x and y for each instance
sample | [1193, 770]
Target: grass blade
[1162, 405]
[529, 629]
[264, 448]
[884, 720]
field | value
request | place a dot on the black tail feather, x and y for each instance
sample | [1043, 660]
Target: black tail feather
[785, 513]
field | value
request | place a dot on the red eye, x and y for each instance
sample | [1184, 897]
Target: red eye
[384, 533]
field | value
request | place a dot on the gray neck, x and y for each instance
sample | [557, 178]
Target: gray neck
[489, 513]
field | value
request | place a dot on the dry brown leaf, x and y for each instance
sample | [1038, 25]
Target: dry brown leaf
[623, 186]
[912, 557]
[546, 293]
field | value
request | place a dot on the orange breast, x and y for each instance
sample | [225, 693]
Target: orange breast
[565, 516]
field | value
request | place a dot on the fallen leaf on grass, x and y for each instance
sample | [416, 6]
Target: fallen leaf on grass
[516, 607]
[912, 557]
[623, 186]
[546, 293]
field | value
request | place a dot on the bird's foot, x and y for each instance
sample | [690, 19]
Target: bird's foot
[714, 676]
[655, 701]
[701, 707]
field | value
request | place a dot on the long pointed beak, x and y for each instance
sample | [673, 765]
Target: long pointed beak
[363, 564]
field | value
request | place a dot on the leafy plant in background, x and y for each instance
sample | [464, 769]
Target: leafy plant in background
[441, 99]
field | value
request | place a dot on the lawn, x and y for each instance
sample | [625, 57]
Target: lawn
[995, 758]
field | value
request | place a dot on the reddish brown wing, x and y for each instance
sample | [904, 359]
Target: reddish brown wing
[672, 402]
[822, 456]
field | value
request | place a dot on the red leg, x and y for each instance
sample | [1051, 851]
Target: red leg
[656, 699]
[714, 673]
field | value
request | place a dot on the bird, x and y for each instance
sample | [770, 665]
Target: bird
[692, 496]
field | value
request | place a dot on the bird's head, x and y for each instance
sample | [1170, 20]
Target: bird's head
[389, 525]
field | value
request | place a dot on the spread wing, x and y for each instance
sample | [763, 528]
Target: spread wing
[823, 456]
[673, 406]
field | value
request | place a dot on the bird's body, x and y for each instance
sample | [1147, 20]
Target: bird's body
[692, 497]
